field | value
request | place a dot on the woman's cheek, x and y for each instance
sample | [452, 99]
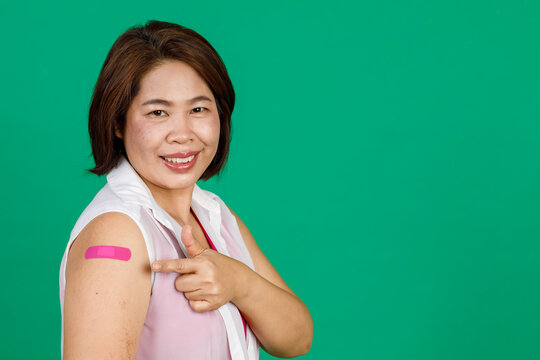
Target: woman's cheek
[146, 135]
[211, 130]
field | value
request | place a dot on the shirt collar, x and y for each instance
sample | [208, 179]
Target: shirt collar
[126, 183]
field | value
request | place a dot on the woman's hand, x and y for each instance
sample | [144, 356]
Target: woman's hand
[207, 278]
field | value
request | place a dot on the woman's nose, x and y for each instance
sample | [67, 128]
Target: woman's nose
[179, 130]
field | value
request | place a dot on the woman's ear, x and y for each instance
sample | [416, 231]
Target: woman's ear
[117, 132]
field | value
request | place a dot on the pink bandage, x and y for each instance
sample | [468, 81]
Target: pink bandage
[108, 252]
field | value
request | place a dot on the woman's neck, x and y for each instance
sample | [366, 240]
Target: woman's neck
[175, 202]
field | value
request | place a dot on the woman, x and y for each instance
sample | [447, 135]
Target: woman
[159, 121]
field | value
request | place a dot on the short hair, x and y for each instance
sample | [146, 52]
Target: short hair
[133, 54]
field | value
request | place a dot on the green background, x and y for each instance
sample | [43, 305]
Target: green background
[384, 155]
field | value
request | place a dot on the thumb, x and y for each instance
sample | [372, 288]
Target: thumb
[193, 247]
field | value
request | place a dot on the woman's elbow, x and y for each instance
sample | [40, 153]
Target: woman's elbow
[299, 349]
[305, 345]
[301, 345]
[305, 340]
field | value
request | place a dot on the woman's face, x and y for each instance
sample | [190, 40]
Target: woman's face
[172, 127]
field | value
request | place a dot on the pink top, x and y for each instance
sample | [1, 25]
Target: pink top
[214, 248]
[172, 330]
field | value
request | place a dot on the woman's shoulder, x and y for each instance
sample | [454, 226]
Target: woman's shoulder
[105, 201]
[108, 220]
[111, 228]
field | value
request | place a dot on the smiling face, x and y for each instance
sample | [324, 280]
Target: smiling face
[172, 127]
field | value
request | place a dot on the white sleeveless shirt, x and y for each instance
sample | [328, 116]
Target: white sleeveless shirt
[172, 330]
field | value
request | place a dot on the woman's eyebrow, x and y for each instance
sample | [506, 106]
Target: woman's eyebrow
[199, 98]
[168, 103]
[157, 102]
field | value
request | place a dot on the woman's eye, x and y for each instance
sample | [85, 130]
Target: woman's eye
[198, 109]
[158, 113]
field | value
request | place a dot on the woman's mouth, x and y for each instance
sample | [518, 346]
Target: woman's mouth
[180, 162]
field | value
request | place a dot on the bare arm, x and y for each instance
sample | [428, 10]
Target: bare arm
[106, 300]
[279, 319]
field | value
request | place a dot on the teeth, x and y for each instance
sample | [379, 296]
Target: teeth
[179, 160]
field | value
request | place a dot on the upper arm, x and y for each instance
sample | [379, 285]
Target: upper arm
[106, 300]
[263, 266]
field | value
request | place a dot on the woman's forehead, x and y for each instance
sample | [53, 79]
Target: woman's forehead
[174, 81]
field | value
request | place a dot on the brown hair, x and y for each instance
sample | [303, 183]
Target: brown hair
[134, 53]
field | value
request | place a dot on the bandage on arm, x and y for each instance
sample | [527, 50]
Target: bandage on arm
[108, 252]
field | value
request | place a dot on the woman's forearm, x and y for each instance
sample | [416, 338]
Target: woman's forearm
[279, 319]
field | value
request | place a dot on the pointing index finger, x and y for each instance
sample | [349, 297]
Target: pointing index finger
[180, 266]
